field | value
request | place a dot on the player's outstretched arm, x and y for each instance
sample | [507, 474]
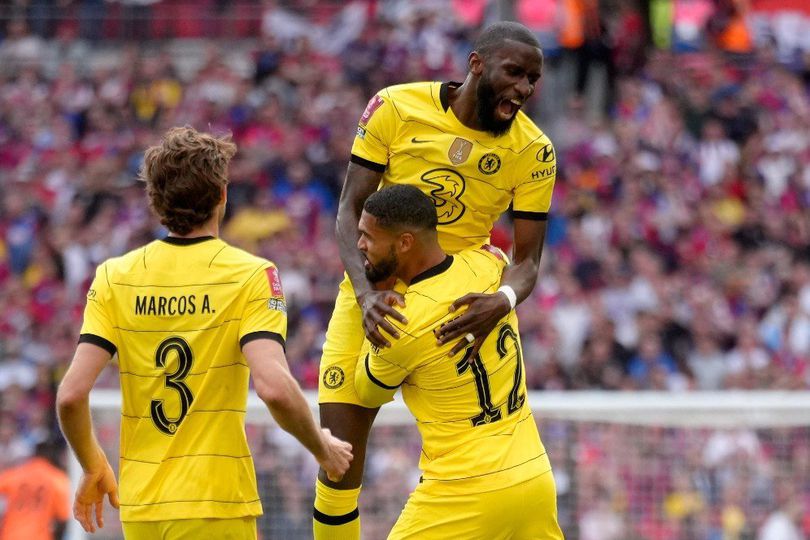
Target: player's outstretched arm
[73, 410]
[485, 310]
[361, 182]
[276, 386]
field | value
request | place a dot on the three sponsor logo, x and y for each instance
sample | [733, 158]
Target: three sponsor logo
[446, 193]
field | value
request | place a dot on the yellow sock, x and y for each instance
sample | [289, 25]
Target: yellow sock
[335, 516]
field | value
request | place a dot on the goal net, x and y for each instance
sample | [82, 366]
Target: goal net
[628, 466]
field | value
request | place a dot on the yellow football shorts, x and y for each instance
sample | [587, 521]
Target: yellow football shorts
[192, 529]
[344, 340]
[526, 511]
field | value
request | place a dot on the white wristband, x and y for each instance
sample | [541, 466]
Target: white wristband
[510, 295]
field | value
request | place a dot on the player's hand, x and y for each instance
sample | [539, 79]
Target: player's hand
[482, 315]
[376, 306]
[93, 486]
[337, 458]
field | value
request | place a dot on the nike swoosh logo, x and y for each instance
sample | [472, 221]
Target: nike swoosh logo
[417, 141]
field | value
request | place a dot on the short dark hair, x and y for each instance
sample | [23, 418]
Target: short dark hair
[185, 175]
[51, 450]
[402, 206]
[495, 34]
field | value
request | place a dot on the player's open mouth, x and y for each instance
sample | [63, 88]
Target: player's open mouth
[507, 108]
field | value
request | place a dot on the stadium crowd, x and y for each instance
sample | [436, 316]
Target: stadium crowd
[678, 250]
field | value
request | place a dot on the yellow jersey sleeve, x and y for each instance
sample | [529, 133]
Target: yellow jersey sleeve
[98, 327]
[536, 172]
[375, 132]
[380, 371]
[265, 313]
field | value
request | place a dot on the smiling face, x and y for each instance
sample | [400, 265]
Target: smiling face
[378, 246]
[507, 76]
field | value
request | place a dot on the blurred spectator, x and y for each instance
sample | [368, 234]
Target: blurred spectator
[652, 366]
[717, 153]
[602, 522]
[13, 446]
[783, 523]
[684, 504]
[747, 363]
[707, 363]
[19, 48]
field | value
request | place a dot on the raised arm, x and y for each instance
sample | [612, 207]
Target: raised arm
[376, 304]
[360, 182]
[278, 389]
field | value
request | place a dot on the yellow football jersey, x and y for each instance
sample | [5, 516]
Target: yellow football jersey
[177, 312]
[410, 134]
[478, 434]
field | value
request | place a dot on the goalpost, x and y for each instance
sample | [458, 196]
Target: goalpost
[640, 465]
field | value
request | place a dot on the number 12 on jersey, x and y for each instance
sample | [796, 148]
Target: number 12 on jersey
[489, 412]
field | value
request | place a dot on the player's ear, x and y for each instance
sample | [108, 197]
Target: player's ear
[405, 242]
[476, 63]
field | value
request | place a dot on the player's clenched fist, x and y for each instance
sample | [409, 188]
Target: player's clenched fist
[336, 458]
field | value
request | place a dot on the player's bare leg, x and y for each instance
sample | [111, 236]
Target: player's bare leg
[351, 423]
[336, 516]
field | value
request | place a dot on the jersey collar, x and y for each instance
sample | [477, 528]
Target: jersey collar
[177, 241]
[433, 270]
[444, 90]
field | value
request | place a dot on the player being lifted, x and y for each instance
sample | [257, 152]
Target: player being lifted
[191, 318]
[470, 148]
[485, 474]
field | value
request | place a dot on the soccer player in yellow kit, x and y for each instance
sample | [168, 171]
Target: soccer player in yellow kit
[190, 319]
[474, 153]
[486, 475]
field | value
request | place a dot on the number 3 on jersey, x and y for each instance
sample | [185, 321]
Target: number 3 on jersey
[173, 380]
[489, 412]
